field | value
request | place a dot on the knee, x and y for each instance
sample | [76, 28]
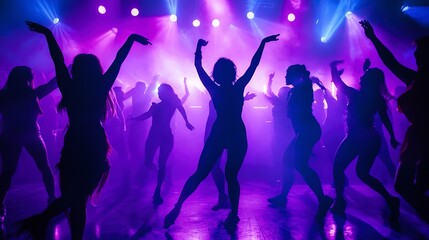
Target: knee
[362, 174]
[231, 178]
[301, 167]
[400, 187]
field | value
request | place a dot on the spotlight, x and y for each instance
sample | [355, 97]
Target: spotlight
[56, 20]
[114, 30]
[101, 9]
[134, 12]
[196, 23]
[250, 15]
[173, 18]
[291, 17]
[324, 39]
[349, 14]
[215, 22]
[405, 8]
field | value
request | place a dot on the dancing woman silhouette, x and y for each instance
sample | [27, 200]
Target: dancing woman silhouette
[412, 174]
[362, 139]
[83, 165]
[228, 131]
[19, 106]
[282, 129]
[217, 173]
[160, 134]
[307, 134]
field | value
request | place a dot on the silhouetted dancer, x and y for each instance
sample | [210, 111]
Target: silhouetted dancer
[19, 106]
[412, 175]
[83, 165]
[362, 139]
[141, 97]
[160, 135]
[307, 134]
[228, 131]
[217, 173]
[282, 128]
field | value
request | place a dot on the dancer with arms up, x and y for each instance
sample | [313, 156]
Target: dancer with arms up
[83, 165]
[412, 174]
[228, 131]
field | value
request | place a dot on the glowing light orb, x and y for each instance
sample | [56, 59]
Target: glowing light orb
[405, 8]
[250, 15]
[215, 22]
[114, 30]
[349, 14]
[196, 23]
[173, 18]
[324, 39]
[135, 12]
[291, 17]
[101, 9]
[56, 20]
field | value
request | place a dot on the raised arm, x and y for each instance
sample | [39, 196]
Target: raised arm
[404, 74]
[145, 115]
[43, 90]
[61, 72]
[336, 78]
[184, 98]
[185, 117]
[388, 124]
[204, 77]
[245, 79]
[113, 71]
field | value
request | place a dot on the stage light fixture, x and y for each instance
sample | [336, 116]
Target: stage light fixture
[250, 15]
[196, 23]
[291, 17]
[135, 12]
[349, 14]
[102, 9]
[215, 22]
[173, 18]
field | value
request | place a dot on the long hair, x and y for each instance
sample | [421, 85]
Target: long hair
[375, 79]
[166, 93]
[20, 84]
[224, 71]
[87, 74]
[19, 80]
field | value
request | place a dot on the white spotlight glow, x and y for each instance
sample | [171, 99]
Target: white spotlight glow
[324, 39]
[173, 18]
[135, 12]
[215, 22]
[196, 23]
[101, 9]
[250, 15]
[291, 17]
[349, 14]
[405, 8]
[56, 20]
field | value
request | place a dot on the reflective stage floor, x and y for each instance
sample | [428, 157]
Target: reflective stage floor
[129, 214]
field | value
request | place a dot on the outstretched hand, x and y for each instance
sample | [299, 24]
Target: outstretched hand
[369, 30]
[271, 38]
[35, 27]
[334, 67]
[189, 126]
[366, 64]
[202, 43]
[271, 76]
[141, 39]
[249, 96]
